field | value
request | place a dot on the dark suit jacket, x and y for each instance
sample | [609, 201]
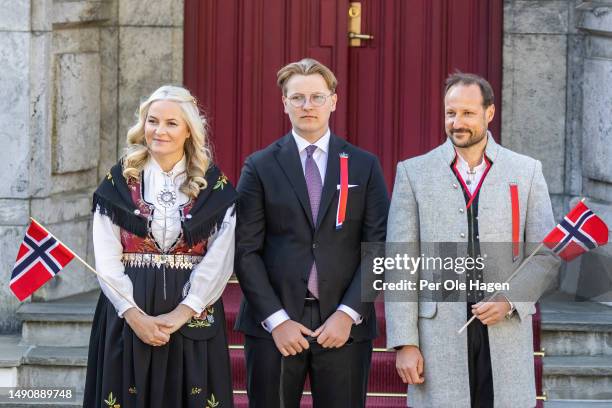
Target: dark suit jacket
[277, 240]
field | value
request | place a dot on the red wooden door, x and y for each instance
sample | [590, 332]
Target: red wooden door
[396, 80]
[233, 50]
[390, 88]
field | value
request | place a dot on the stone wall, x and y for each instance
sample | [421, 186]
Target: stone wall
[557, 103]
[537, 104]
[73, 73]
[595, 21]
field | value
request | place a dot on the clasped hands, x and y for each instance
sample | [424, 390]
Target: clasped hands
[333, 333]
[156, 330]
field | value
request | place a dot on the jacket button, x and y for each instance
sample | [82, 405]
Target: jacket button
[455, 186]
[462, 235]
[315, 245]
[461, 210]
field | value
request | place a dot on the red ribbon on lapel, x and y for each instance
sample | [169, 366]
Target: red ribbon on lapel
[342, 199]
[516, 220]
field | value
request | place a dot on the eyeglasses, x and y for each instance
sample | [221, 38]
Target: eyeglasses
[316, 99]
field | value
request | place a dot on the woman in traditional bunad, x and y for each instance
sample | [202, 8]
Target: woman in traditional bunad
[163, 234]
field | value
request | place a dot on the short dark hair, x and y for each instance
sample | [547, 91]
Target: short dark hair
[471, 79]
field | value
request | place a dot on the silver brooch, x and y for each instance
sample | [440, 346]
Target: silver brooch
[166, 198]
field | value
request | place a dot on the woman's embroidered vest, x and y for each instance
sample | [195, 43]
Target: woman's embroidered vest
[138, 251]
[135, 244]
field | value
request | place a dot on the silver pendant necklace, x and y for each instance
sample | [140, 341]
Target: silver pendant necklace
[167, 197]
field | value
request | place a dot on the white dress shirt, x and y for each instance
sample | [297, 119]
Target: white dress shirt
[208, 278]
[320, 158]
[463, 167]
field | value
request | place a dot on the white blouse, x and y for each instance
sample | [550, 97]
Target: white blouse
[208, 278]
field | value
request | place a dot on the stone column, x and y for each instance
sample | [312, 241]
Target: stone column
[73, 73]
[15, 107]
[51, 108]
[150, 53]
[535, 86]
[595, 21]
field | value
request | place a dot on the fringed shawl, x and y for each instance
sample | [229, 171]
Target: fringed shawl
[113, 199]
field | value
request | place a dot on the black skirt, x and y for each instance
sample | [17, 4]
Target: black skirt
[191, 370]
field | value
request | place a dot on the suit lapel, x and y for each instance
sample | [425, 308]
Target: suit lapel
[332, 175]
[289, 159]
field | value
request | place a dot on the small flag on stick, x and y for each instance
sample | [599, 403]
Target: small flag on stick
[578, 232]
[41, 256]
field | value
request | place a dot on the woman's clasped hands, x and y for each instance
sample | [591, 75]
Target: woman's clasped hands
[156, 330]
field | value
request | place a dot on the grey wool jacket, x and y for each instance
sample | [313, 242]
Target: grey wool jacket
[425, 208]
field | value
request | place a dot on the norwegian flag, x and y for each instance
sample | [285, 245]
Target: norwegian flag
[579, 231]
[41, 256]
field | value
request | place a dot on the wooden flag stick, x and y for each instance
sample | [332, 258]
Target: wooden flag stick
[130, 301]
[507, 280]
[511, 276]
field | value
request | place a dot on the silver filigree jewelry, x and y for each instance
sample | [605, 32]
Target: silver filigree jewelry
[166, 197]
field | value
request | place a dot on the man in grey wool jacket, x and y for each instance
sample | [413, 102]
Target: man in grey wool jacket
[473, 192]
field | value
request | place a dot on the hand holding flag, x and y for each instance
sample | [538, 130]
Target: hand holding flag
[580, 231]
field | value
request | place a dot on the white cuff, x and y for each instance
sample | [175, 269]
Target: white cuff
[193, 302]
[274, 320]
[123, 307]
[357, 319]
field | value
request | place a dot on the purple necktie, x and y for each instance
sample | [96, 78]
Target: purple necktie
[315, 186]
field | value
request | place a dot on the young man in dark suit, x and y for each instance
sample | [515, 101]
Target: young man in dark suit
[307, 202]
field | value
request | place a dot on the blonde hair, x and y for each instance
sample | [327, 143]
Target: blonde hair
[306, 66]
[197, 150]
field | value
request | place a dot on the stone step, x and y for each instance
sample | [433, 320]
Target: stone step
[578, 377]
[578, 404]
[46, 366]
[30, 366]
[11, 357]
[578, 365]
[63, 322]
[77, 402]
[575, 328]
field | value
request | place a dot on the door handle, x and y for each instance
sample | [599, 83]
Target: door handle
[358, 36]
[354, 25]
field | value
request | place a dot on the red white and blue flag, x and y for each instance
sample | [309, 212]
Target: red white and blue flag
[41, 256]
[579, 231]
